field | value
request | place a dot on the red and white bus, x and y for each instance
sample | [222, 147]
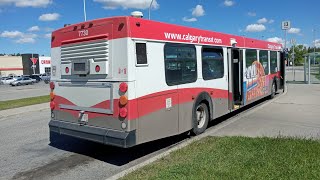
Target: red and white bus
[124, 81]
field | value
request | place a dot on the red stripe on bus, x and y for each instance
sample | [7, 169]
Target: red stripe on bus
[147, 104]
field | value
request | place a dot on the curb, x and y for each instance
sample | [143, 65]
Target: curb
[15, 111]
[196, 138]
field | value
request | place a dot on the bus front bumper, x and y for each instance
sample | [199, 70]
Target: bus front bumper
[96, 134]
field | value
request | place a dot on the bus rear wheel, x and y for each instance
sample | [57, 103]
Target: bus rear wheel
[200, 118]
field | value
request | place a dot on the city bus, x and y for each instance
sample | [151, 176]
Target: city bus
[124, 81]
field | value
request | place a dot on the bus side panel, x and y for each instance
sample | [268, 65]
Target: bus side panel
[217, 89]
[221, 97]
[163, 119]
[256, 84]
[157, 102]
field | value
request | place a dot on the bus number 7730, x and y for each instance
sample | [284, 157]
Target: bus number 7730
[83, 33]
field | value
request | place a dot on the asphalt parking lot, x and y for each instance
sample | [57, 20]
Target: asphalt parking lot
[8, 92]
[26, 152]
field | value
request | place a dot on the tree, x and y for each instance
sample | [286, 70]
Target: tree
[299, 51]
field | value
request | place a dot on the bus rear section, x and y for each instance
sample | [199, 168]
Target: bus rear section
[90, 85]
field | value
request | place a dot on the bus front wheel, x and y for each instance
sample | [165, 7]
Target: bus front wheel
[200, 118]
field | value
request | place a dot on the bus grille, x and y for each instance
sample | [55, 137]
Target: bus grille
[97, 50]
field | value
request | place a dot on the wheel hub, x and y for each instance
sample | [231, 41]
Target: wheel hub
[201, 116]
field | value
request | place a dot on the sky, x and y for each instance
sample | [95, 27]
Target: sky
[26, 25]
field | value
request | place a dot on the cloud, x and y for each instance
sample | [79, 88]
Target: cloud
[25, 40]
[21, 37]
[189, 19]
[29, 35]
[11, 34]
[126, 4]
[49, 17]
[255, 28]
[34, 28]
[228, 3]
[294, 31]
[276, 40]
[317, 43]
[262, 20]
[198, 11]
[265, 20]
[26, 3]
[48, 35]
[252, 14]
[48, 29]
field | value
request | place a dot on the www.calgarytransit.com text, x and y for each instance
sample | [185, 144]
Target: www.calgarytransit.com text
[191, 38]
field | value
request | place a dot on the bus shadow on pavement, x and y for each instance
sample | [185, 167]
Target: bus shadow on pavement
[121, 156]
[115, 155]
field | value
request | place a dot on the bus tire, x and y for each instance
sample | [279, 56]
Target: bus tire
[273, 90]
[200, 118]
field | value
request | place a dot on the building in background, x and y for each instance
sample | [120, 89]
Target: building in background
[26, 64]
[44, 65]
[11, 65]
[30, 64]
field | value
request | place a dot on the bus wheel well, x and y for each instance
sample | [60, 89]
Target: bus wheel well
[205, 98]
[209, 108]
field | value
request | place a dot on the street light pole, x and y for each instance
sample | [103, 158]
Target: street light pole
[314, 46]
[84, 10]
[285, 25]
[150, 9]
[293, 42]
[294, 72]
[285, 39]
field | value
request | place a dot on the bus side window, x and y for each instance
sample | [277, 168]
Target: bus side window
[263, 57]
[180, 63]
[251, 57]
[273, 61]
[141, 53]
[212, 63]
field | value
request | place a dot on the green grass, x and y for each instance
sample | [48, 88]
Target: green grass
[238, 158]
[23, 102]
